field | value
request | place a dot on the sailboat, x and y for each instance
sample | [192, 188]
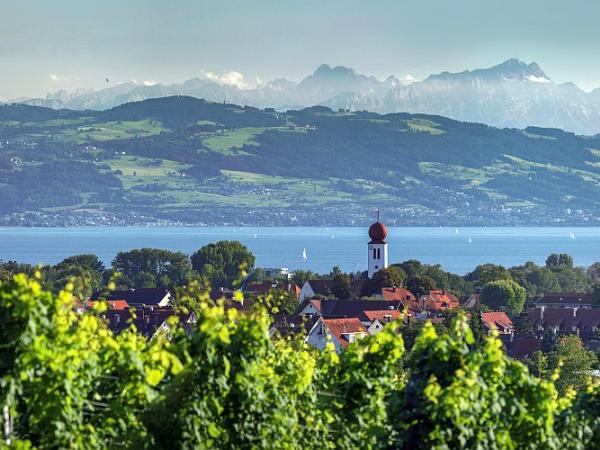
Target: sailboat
[304, 257]
[470, 240]
[572, 235]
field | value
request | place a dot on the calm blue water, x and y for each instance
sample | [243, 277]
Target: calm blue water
[325, 247]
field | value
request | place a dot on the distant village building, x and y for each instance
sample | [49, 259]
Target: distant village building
[583, 322]
[324, 288]
[266, 286]
[340, 332]
[472, 301]
[277, 272]
[160, 297]
[437, 300]
[565, 300]
[499, 321]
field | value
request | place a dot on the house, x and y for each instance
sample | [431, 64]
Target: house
[285, 325]
[397, 294]
[160, 297]
[375, 320]
[117, 305]
[266, 286]
[437, 300]
[312, 288]
[311, 308]
[472, 301]
[523, 347]
[565, 300]
[331, 309]
[149, 320]
[583, 322]
[324, 288]
[499, 321]
[340, 332]
[226, 294]
[276, 272]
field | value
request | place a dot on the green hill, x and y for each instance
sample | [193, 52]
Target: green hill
[188, 160]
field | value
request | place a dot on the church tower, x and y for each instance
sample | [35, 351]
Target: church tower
[378, 248]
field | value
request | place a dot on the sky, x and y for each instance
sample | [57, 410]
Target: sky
[67, 44]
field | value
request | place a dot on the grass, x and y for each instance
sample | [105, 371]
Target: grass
[113, 130]
[138, 171]
[227, 142]
[539, 136]
[426, 126]
[467, 175]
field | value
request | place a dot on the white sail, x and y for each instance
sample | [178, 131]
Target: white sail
[304, 255]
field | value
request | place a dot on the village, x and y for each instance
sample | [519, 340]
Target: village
[318, 318]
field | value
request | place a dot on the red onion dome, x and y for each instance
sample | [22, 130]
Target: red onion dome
[378, 231]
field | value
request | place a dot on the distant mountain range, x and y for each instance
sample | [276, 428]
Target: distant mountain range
[512, 94]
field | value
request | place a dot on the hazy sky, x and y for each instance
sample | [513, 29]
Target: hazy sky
[48, 45]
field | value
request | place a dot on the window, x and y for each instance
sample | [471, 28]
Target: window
[378, 253]
[374, 254]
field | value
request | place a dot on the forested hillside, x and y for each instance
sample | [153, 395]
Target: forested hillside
[183, 159]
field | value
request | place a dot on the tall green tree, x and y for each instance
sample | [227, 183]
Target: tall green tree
[505, 294]
[420, 285]
[575, 363]
[151, 267]
[227, 261]
[486, 273]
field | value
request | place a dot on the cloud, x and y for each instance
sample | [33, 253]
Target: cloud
[231, 78]
[64, 77]
[408, 78]
[143, 82]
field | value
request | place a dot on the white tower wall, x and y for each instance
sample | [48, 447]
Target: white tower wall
[377, 257]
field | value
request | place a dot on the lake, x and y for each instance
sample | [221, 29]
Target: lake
[457, 250]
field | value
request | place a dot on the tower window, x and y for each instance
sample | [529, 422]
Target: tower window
[374, 253]
[378, 253]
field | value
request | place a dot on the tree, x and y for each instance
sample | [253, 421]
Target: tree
[342, 284]
[505, 294]
[558, 261]
[420, 285]
[411, 267]
[89, 261]
[535, 279]
[388, 277]
[486, 273]
[575, 363]
[151, 267]
[537, 364]
[299, 277]
[228, 260]
[596, 295]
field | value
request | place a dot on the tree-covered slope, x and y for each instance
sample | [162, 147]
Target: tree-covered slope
[184, 159]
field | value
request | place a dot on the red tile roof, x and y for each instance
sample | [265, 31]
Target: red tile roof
[117, 305]
[339, 327]
[436, 300]
[497, 320]
[397, 293]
